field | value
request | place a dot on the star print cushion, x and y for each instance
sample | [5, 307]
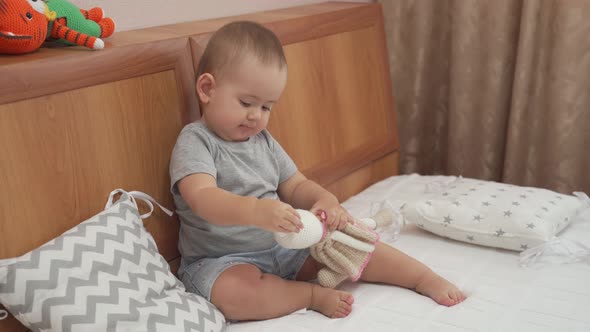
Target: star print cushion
[492, 214]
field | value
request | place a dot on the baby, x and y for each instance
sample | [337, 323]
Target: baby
[234, 186]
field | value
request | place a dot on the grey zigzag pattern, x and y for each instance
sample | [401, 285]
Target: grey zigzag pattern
[92, 301]
[170, 318]
[79, 249]
[56, 265]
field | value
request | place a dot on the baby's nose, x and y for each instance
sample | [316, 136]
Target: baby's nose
[254, 114]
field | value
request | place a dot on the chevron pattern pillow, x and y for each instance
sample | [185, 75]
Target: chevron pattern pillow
[105, 274]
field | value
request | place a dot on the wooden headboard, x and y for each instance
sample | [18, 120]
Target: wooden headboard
[76, 124]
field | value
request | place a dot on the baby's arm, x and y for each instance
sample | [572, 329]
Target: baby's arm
[221, 207]
[303, 193]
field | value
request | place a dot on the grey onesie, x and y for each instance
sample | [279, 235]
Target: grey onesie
[252, 168]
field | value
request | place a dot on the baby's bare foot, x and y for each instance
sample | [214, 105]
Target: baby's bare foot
[440, 290]
[330, 302]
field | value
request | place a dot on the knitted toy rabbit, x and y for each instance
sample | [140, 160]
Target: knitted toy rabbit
[343, 253]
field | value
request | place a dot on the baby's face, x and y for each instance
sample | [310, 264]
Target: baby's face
[242, 100]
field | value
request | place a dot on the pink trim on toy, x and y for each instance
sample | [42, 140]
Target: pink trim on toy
[322, 216]
[324, 232]
[358, 276]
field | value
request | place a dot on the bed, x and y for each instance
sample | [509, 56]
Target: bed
[502, 296]
[75, 125]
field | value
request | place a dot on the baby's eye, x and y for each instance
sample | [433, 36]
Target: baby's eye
[245, 104]
[266, 108]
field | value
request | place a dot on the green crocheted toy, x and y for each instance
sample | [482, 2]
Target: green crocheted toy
[88, 22]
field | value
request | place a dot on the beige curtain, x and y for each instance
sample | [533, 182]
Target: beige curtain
[496, 90]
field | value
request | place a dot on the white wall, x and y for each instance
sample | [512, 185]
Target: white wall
[135, 14]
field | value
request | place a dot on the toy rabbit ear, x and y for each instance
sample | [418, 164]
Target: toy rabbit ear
[352, 242]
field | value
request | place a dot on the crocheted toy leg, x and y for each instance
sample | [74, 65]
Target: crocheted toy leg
[344, 253]
[384, 214]
[61, 31]
[107, 27]
[330, 278]
[94, 14]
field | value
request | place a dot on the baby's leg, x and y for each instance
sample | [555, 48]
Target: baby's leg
[243, 292]
[391, 266]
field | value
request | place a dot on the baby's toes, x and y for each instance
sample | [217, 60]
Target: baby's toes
[338, 314]
[342, 312]
[460, 296]
[457, 295]
[454, 296]
[447, 301]
[348, 298]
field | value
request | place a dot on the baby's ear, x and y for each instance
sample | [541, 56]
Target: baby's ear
[205, 87]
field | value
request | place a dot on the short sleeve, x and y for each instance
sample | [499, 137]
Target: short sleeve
[192, 154]
[287, 167]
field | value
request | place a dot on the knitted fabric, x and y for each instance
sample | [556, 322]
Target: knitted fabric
[23, 28]
[383, 217]
[313, 231]
[344, 253]
[75, 19]
[75, 26]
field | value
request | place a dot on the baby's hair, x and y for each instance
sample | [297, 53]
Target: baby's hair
[233, 41]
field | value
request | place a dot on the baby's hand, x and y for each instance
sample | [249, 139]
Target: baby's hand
[276, 216]
[332, 214]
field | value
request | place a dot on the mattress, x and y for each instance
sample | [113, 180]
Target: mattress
[502, 296]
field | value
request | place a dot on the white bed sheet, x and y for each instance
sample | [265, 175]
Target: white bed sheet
[501, 295]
